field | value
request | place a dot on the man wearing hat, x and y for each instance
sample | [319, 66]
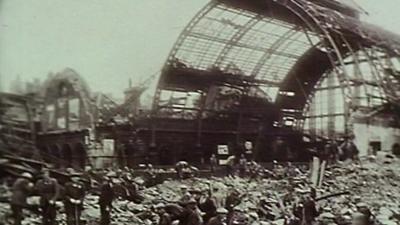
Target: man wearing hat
[209, 206]
[21, 189]
[220, 218]
[73, 201]
[49, 191]
[179, 167]
[105, 199]
[186, 195]
[190, 215]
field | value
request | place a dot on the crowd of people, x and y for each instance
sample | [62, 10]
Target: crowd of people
[194, 207]
[70, 194]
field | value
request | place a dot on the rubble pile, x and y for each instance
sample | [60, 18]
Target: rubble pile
[373, 183]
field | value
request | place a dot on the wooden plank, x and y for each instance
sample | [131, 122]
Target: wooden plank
[315, 165]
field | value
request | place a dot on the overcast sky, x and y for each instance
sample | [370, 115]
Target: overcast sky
[108, 42]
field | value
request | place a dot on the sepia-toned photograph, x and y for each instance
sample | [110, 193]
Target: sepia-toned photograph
[200, 112]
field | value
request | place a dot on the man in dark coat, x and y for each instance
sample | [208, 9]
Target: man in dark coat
[350, 150]
[73, 201]
[48, 190]
[21, 189]
[209, 207]
[306, 211]
[232, 200]
[105, 200]
[190, 215]
[310, 211]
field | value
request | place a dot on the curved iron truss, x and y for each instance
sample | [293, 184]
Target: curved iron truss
[288, 52]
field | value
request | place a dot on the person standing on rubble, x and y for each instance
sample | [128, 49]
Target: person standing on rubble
[329, 152]
[179, 167]
[334, 151]
[150, 174]
[230, 166]
[208, 206]
[349, 149]
[325, 153]
[105, 199]
[242, 166]
[213, 163]
[49, 191]
[21, 189]
[307, 209]
[73, 199]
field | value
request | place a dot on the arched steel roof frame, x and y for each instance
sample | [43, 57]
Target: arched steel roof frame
[330, 27]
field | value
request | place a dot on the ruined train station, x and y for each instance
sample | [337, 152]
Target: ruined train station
[284, 95]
